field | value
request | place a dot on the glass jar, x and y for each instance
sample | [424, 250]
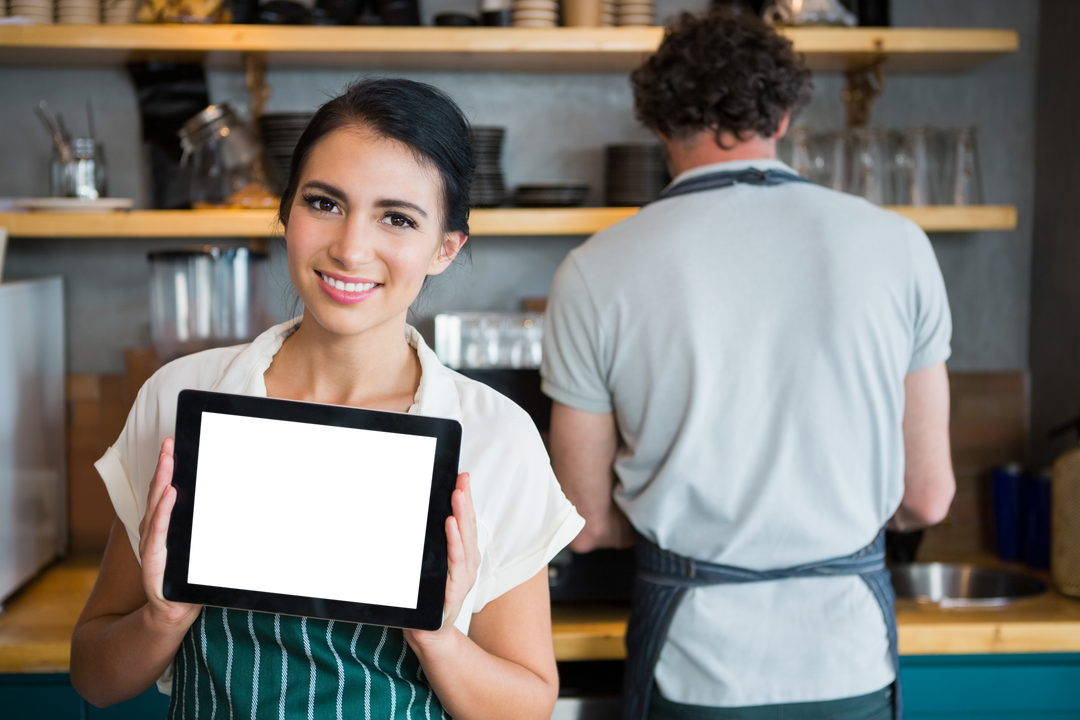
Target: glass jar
[82, 174]
[223, 161]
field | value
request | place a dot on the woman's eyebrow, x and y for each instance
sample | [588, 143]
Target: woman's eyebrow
[393, 203]
[325, 187]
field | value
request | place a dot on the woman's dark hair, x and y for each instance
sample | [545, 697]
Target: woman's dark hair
[419, 116]
[725, 71]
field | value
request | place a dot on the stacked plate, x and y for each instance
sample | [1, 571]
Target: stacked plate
[78, 12]
[635, 174]
[118, 12]
[280, 133]
[551, 195]
[608, 13]
[39, 11]
[488, 188]
[636, 13]
[536, 13]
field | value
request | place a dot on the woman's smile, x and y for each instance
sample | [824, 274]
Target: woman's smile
[346, 290]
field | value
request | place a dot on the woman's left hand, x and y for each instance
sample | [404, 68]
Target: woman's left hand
[463, 556]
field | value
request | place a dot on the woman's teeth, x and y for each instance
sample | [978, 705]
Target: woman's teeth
[347, 287]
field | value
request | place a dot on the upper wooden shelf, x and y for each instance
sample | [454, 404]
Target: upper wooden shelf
[487, 49]
[508, 221]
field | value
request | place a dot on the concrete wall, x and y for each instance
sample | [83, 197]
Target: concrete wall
[557, 125]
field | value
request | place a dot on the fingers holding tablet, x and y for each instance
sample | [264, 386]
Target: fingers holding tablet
[153, 531]
[463, 554]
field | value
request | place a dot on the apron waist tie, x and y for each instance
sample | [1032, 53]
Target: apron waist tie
[663, 578]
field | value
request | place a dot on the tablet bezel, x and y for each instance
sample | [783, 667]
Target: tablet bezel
[427, 615]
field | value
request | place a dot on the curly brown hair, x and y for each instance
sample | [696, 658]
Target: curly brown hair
[726, 71]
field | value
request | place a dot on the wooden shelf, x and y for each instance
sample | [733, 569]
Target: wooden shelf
[509, 221]
[482, 49]
[953, 218]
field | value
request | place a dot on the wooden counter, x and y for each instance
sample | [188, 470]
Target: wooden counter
[35, 629]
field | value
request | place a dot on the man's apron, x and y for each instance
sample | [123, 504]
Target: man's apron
[664, 577]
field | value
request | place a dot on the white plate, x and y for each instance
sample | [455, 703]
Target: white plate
[74, 205]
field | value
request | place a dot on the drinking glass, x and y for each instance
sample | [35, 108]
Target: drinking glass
[830, 160]
[801, 156]
[963, 180]
[870, 164]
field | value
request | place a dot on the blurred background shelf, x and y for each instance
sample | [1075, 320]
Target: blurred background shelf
[502, 49]
[502, 221]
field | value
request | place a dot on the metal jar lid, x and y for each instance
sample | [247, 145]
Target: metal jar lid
[207, 118]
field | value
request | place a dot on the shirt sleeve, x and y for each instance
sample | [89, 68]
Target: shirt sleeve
[573, 371]
[932, 337]
[127, 467]
[526, 518]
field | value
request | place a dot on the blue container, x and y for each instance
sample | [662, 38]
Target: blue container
[1006, 495]
[1035, 521]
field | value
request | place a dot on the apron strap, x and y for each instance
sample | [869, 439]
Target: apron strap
[663, 578]
[728, 178]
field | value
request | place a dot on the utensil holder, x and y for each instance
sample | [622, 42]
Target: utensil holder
[83, 176]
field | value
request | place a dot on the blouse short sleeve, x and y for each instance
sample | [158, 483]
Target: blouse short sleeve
[524, 517]
[127, 468]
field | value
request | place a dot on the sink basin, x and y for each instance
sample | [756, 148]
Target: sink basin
[962, 585]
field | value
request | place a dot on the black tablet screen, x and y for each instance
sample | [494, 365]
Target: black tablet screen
[279, 503]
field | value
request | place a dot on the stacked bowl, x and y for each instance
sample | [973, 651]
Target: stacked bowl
[551, 194]
[488, 188]
[536, 13]
[633, 13]
[635, 174]
[78, 12]
[38, 11]
[280, 133]
[118, 12]
[608, 13]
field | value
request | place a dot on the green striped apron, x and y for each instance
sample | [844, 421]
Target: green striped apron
[237, 664]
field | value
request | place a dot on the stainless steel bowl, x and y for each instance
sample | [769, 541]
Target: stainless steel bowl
[962, 585]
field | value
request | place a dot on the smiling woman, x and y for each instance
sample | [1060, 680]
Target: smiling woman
[377, 201]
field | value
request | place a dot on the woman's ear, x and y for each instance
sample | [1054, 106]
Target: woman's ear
[451, 246]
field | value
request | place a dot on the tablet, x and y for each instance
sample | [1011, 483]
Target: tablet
[315, 510]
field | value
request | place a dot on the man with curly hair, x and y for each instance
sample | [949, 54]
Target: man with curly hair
[749, 382]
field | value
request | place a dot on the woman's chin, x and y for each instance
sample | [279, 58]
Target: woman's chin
[347, 321]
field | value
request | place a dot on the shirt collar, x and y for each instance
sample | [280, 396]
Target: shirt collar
[732, 166]
[437, 395]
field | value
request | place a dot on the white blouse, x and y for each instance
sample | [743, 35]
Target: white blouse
[523, 518]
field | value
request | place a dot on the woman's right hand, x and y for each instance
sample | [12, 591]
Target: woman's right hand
[153, 531]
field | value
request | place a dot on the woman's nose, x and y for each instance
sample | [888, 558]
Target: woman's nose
[355, 245]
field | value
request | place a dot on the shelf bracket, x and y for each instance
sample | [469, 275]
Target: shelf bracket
[865, 83]
[255, 81]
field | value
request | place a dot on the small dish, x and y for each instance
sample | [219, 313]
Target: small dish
[74, 205]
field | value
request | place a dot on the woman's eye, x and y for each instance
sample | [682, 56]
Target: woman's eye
[399, 220]
[322, 204]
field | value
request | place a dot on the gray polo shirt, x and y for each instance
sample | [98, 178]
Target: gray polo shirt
[752, 343]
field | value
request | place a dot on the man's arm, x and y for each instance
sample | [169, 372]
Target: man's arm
[583, 449]
[929, 483]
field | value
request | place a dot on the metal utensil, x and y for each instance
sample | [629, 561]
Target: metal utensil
[90, 119]
[54, 132]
